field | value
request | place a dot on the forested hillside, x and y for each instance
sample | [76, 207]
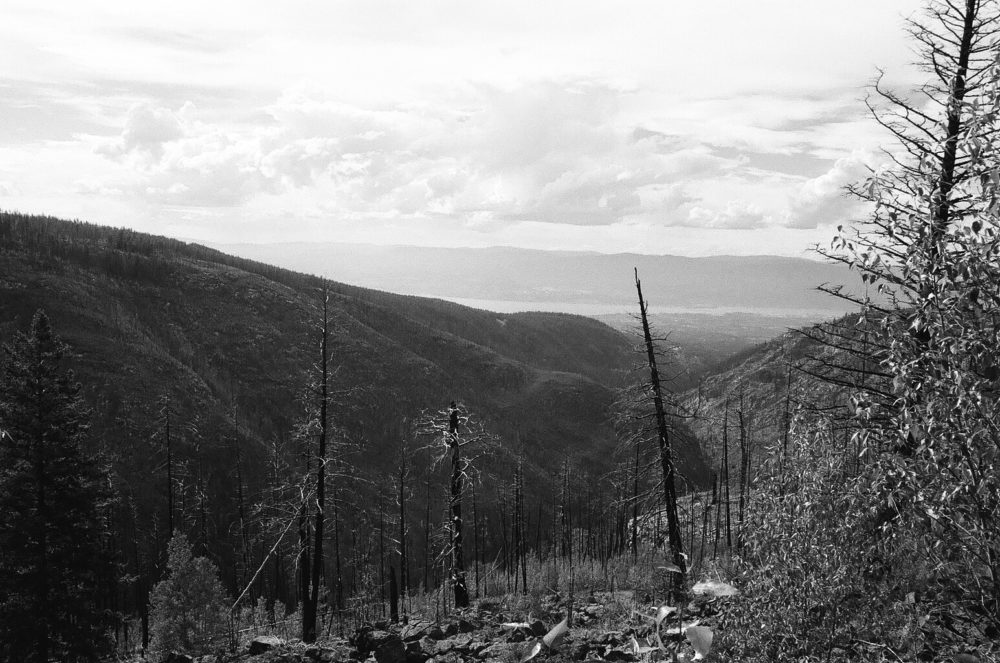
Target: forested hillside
[204, 458]
[198, 366]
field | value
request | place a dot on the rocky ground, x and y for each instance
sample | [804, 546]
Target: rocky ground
[603, 627]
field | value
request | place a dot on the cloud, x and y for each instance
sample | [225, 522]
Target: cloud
[553, 152]
[735, 215]
[823, 200]
[558, 152]
[147, 129]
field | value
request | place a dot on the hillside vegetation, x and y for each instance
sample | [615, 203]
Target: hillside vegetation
[197, 367]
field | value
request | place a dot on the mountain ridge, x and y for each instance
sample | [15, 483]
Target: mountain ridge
[149, 316]
[533, 276]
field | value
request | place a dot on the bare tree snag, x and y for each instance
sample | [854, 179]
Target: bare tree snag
[663, 437]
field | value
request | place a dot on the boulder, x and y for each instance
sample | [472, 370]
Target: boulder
[448, 657]
[367, 640]
[177, 657]
[390, 650]
[318, 654]
[264, 643]
[420, 651]
[420, 628]
[618, 655]
[501, 651]
[459, 642]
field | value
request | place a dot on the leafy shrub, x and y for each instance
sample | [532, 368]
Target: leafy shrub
[816, 579]
[188, 607]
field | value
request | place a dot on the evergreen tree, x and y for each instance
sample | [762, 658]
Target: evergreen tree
[51, 532]
[188, 607]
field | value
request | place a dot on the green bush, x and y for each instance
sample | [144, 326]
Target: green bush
[816, 580]
[188, 607]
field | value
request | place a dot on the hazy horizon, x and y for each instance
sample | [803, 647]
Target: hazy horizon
[656, 128]
[510, 279]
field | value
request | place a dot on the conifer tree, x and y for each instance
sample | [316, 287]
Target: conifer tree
[51, 532]
[187, 607]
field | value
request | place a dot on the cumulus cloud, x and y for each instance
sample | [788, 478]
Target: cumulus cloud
[147, 129]
[551, 152]
[556, 152]
[735, 214]
[823, 200]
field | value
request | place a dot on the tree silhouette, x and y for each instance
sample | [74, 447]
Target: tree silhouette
[51, 561]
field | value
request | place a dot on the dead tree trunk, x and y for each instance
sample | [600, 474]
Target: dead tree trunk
[404, 471]
[725, 472]
[522, 527]
[310, 602]
[457, 473]
[663, 437]
[240, 500]
[475, 536]
[393, 597]
[170, 468]
[635, 504]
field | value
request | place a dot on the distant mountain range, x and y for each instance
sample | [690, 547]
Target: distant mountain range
[509, 279]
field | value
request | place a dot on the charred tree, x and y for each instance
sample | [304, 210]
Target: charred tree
[663, 438]
[310, 602]
[457, 475]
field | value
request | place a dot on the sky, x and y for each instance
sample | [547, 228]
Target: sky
[663, 127]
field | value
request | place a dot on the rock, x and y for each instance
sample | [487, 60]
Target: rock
[319, 654]
[618, 655]
[418, 652]
[264, 643]
[448, 657]
[965, 658]
[427, 645]
[517, 635]
[366, 640]
[420, 628]
[390, 650]
[450, 630]
[465, 626]
[313, 653]
[501, 651]
[177, 657]
[459, 643]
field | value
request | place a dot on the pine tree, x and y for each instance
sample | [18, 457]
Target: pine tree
[187, 607]
[51, 532]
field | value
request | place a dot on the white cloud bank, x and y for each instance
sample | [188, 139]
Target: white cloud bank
[579, 125]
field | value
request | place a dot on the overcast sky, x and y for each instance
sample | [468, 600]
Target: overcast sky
[661, 126]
